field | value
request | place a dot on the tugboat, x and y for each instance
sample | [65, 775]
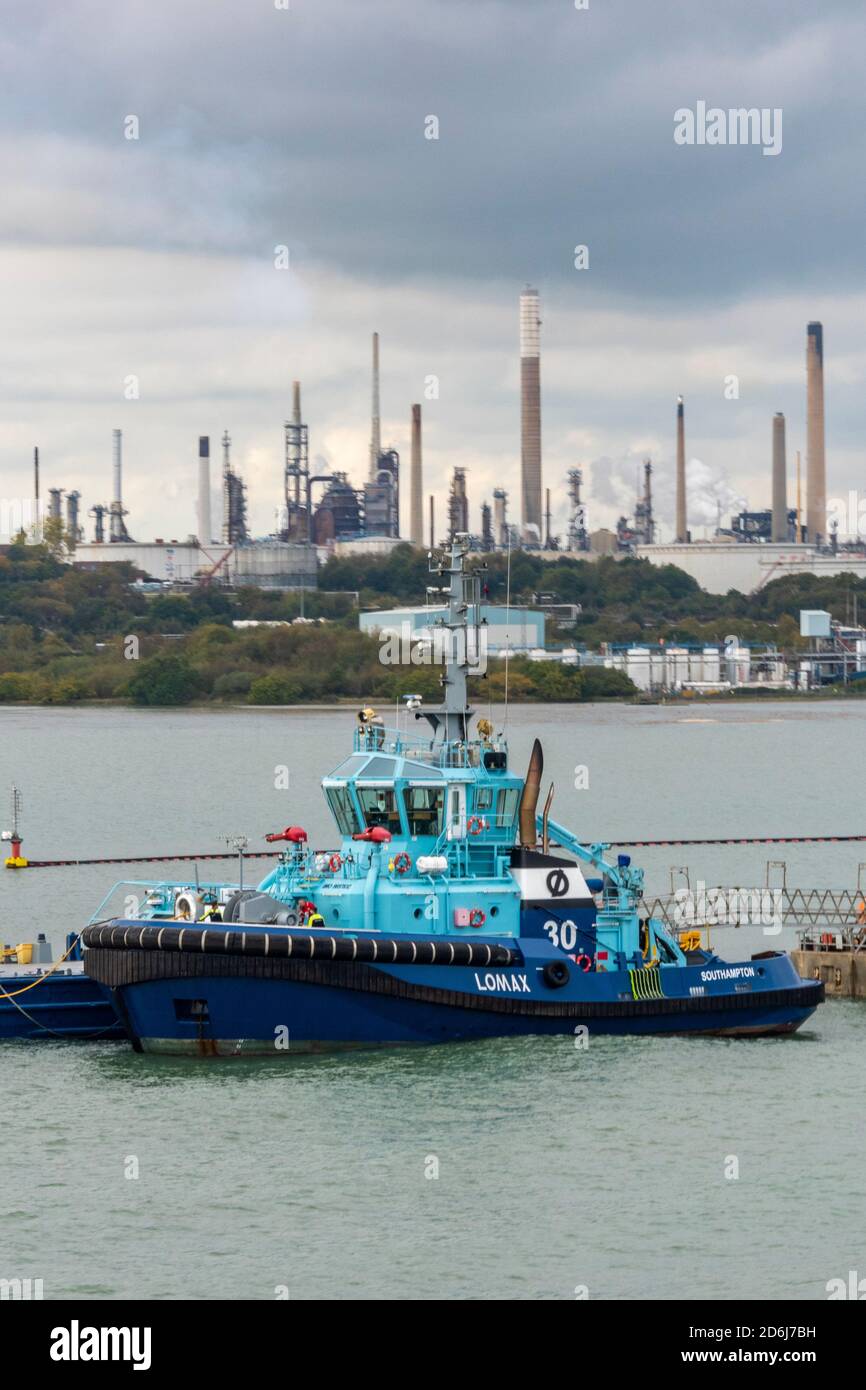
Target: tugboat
[448, 910]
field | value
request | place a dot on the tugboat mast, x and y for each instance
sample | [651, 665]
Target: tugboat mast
[461, 638]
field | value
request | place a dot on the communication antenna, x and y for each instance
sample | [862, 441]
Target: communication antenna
[239, 844]
[507, 622]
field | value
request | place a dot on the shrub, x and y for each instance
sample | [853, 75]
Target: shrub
[16, 685]
[164, 679]
[598, 683]
[233, 683]
[273, 690]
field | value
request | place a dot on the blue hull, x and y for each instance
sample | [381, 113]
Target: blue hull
[308, 1018]
[63, 1006]
[233, 1004]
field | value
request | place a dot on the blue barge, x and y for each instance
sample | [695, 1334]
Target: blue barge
[41, 999]
[449, 909]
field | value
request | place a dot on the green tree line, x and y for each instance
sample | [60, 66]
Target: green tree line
[64, 630]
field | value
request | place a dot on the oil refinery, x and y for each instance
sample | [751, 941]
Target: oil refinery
[319, 513]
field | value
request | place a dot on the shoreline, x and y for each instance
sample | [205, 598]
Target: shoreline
[351, 702]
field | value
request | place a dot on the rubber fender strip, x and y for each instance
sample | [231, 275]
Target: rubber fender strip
[276, 945]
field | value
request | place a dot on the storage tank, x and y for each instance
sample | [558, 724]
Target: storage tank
[711, 665]
[738, 661]
[677, 667]
[637, 667]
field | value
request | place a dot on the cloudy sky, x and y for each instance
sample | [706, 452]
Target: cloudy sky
[260, 126]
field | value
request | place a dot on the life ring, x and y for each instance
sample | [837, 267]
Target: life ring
[584, 963]
[476, 824]
[187, 907]
[555, 974]
[402, 862]
[477, 917]
[335, 863]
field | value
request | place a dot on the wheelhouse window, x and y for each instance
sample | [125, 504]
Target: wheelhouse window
[506, 807]
[379, 807]
[483, 799]
[425, 809]
[343, 809]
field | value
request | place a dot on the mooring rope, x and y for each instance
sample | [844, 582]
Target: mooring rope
[4, 994]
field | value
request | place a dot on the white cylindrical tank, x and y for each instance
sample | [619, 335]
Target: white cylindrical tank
[676, 666]
[738, 661]
[711, 664]
[637, 667]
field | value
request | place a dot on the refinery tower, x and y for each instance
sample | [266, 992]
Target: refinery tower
[530, 413]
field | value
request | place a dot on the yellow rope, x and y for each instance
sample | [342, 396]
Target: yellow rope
[24, 988]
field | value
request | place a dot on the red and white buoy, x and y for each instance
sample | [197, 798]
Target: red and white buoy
[15, 860]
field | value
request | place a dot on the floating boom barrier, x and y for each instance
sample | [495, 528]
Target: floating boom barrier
[273, 854]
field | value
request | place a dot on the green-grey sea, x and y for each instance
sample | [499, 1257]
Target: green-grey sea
[673, 1168]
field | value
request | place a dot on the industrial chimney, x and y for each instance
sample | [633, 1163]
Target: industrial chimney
[779, 530]
[204, 519]
[682, 524]
[117, 465]
[530, 411]
[376, 428]
[816, 477]
[117, 528]
[416, 503]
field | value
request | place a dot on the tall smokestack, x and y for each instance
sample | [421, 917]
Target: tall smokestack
[682, 524]
[204, 519]
[36, 477]
[116, 464]
[530, 410]
[432, 523]
[816, 476]
[376, 428]
[117, 530]
[779, 530]
[416, 495]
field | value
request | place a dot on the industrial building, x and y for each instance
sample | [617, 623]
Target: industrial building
[267, 564]
[518, 630]
[719, 565]
[701, 669]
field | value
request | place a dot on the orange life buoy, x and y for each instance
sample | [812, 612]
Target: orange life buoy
[335, 863]
[476, 824]
[402, 862]
[477, 918]
[584, 962]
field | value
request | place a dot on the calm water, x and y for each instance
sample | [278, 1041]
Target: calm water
[557, 1168]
